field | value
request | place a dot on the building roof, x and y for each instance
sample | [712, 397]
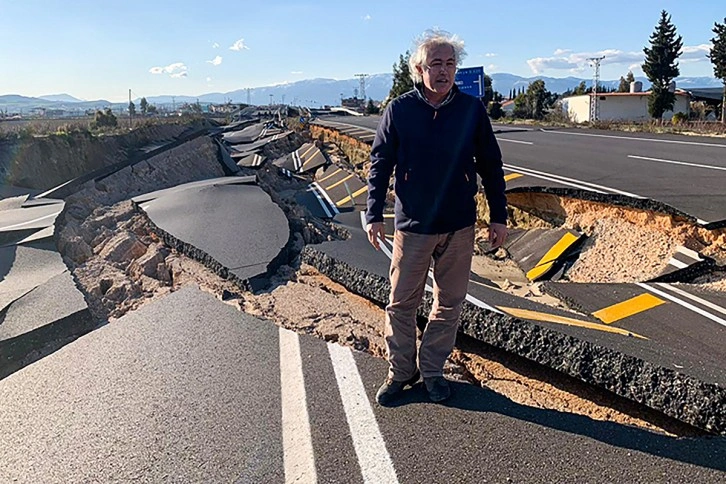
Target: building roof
[679, 92]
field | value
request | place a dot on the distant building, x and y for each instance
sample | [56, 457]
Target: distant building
[508, 107]
[620, 106]
[353, 103]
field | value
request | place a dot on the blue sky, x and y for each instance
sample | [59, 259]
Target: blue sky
[100, 49]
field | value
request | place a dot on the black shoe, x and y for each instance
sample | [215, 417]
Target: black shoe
[391, 388]
[438, 388]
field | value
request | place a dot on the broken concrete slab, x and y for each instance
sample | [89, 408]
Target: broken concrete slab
[23, 268]
[245, 135]
[225, 180]
[634, 367]
[540, 252]
[236, 230]
[187, 388]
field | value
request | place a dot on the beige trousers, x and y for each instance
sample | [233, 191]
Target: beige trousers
[412, 256]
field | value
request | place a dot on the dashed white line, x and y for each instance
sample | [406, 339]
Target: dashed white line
[375, 462]
[515, 141]
[684, 163]
[683, 303]
[692, 143]
[297, 441]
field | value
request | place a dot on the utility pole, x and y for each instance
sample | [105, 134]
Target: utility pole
[362, 88]
[131, 116]
[594, 108]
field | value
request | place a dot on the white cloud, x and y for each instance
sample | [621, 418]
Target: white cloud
[216, 61]
[492, 67]
[576, 62]
[696, 53]
[209, 79]
[239, 45]
[297, 73]
[367, 17]
[490, 54]
[215, 46]
[177, 69]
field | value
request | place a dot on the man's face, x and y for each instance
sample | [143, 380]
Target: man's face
[438, 69]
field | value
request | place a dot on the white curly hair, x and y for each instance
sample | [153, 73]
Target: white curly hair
[429, 39]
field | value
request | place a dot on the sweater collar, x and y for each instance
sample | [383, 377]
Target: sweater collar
[419, 88]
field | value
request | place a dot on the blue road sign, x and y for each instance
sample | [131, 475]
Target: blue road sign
[470, 80]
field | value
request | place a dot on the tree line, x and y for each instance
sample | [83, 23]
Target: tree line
[660, 67]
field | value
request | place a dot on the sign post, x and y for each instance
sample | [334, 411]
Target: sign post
[470, 80]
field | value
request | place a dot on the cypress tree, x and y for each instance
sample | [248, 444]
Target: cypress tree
[402, 81]
[661, 65]
[718, 59]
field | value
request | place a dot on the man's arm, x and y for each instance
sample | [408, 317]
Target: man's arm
[489, 168]
[383, 154]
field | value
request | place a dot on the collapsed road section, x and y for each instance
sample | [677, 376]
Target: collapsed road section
[120, 257]
[645, 342]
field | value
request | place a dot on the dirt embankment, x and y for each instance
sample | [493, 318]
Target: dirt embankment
[43, 162]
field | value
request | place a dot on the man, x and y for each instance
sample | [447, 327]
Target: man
[436, 139]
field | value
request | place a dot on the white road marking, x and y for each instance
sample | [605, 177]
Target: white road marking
[692, 143]
[22, 224]
[693, 297]
[683, 303]
[569, 181]
[515, 141]
[320, 200]
[695, 165]
[677, 263]
[327, 197]
[297, 441]
[373, 458]
[689, 253]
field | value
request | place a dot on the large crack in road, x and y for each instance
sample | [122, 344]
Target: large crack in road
[124, 264]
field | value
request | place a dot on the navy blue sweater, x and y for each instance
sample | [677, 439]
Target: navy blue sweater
[436, 154]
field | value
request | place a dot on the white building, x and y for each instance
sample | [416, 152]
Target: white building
[620, 106]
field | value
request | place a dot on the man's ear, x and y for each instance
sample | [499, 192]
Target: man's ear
[419, 69]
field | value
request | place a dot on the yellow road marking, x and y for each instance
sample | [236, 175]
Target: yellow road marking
[512, 176]
[624, 309]
[332, 174]
[312, 158]
[389, 215]
[388, 236]
[307, 151]
[553, 318]
[546, 262]
[347, 199]
[339, 182]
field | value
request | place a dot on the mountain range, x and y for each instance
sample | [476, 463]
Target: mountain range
[311, 92]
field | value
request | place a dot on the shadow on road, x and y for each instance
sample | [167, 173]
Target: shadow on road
[708, 452]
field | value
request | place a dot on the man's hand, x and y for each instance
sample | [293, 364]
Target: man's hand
[497, 235]
[374, 231]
